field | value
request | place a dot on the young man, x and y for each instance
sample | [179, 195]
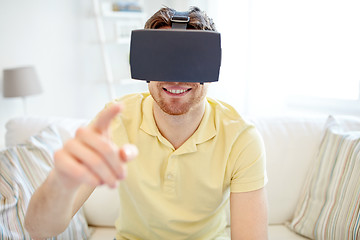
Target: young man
[192, 154]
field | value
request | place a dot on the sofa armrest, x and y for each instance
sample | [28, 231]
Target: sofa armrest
[102, 208]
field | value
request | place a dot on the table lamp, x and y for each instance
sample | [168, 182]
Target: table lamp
[21, 82]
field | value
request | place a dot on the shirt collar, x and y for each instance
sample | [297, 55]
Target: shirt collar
[205, 131]
[148, 124]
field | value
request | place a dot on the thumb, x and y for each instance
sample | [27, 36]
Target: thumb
[102, 122]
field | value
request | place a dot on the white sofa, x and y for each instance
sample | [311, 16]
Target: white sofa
[291, 145]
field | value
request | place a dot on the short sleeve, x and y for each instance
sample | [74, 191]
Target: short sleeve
[248, 159]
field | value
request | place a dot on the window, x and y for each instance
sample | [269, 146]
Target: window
[281, 54]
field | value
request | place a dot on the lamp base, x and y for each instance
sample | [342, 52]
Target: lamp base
[24, 105]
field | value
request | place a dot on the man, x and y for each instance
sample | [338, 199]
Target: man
[192, 154]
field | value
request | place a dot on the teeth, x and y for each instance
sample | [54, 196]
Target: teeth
[177, 91]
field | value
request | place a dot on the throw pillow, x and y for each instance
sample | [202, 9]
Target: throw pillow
[330, 205]
[22, 169]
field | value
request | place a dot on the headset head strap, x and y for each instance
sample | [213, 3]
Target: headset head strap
[180, 20]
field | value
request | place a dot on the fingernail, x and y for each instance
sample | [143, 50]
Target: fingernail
[131, 151]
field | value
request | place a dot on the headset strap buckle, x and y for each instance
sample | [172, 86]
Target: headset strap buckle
[180, 20]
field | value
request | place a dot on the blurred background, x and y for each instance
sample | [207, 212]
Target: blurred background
[280, 57]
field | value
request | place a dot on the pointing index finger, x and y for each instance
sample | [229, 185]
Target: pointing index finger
[102, 123]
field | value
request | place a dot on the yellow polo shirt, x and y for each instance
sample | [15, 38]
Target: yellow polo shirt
[182, 193]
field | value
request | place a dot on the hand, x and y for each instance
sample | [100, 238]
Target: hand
[91, 157]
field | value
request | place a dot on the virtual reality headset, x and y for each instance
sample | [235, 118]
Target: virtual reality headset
[176, 54]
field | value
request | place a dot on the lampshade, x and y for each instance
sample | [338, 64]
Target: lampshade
[21, 82]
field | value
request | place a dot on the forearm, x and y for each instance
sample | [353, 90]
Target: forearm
[249, 215]
[50, 209]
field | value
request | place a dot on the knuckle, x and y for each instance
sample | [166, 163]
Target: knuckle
[80, 132]
[99, 167]
[79, 174]
[102, 170]
[58, 154]
[107, 150]
[97, 164]
[59, 157]
[69, 143]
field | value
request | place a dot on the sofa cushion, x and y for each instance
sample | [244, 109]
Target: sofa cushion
[102, 233]
[291, 144]
[329, 208]
[19, 129]
[281, 232]
[22, 169]
[102, 216]
[276, 232]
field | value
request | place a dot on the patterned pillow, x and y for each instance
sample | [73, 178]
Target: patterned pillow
[22, 169]
[330, 205]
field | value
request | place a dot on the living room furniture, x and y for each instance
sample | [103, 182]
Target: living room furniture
[292, 145]
[21, 82]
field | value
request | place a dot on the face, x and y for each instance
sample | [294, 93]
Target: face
[177, 98]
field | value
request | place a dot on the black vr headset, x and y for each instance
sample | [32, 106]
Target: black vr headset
[176, 54]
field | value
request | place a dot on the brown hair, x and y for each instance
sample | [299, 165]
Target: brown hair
[198, 19]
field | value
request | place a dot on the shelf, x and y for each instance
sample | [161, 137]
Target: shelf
[107, 12]
[114, 27]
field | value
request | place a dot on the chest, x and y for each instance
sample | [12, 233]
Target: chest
[191, 177]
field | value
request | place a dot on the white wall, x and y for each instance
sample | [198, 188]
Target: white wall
[59, 38]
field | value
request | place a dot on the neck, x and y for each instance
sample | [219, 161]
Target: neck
[178, 128]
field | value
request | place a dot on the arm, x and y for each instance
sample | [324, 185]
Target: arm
[52, 207]
[248, 214]
[86, 161]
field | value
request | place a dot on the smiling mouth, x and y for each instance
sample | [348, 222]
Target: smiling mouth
[177, 91]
